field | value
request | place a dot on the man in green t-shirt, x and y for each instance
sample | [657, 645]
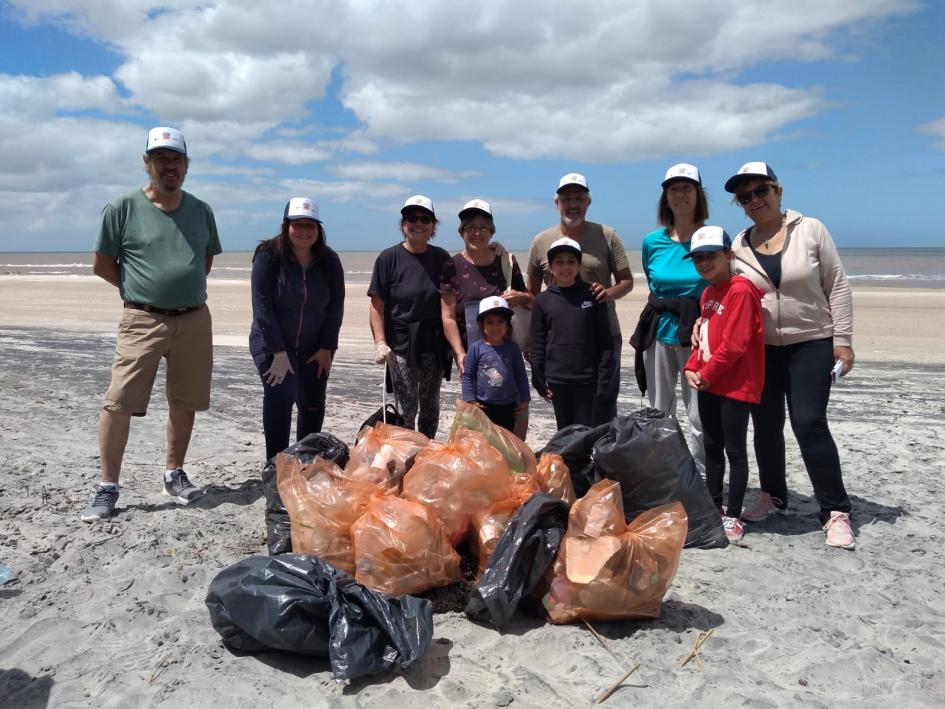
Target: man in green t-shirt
[604, 263]
[156, 245]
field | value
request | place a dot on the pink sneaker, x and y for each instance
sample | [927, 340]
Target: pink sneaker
[733, 528]
[763, 506]
[839, 532]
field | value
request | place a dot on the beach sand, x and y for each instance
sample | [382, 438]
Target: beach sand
[113, 615]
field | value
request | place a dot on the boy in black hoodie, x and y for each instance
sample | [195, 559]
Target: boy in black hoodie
[571, 352]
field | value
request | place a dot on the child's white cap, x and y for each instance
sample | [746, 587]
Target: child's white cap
[493, 304]
[707, 239]
[564, 244]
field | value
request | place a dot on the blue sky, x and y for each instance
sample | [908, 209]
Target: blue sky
[362, 104]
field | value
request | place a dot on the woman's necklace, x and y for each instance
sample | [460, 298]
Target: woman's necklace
[766, 243]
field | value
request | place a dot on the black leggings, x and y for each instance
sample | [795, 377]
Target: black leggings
[573, 403]
[799, 373]
[500, 414]
[303, 389]
[725, 432]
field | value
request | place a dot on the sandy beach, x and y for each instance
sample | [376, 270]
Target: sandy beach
[113, 614]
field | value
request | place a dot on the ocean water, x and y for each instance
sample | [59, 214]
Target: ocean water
[899, 268]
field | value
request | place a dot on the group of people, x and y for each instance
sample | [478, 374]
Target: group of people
[747, 324]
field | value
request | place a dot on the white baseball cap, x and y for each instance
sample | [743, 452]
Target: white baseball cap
[301, 208]
[493, 304]
[750, 169]
[163, 137]
[707, 239]
[564, 244]
[573, 178]
[418, 201]
[476, 205]
[682, 171]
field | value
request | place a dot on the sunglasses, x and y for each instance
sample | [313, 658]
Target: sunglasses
[414, 218]
[760, 191]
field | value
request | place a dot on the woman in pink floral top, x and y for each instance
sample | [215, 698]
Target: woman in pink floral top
[473, 274]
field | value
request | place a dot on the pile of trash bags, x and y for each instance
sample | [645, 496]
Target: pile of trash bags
[591, 530]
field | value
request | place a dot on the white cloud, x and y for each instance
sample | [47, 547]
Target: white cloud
[287, 152]
[937, 130]
[310, 82]
[404, 171]
[27, 96]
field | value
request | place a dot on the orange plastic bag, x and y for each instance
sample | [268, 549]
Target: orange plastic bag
[384, 453]
[517, 454]
[400, 548]
[459, 480]
[555, 478]
[608, 570]
[322, 504]
[489, 526]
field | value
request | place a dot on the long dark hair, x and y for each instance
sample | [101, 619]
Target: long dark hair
[281, 250]
[665, 216]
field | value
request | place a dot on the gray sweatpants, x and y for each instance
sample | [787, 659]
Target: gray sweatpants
[664, 369]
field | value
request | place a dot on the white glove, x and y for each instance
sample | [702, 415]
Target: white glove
[381, 351]
[279, 369]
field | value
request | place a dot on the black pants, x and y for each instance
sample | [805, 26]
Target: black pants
[573, 403]
[725, 433]
[799, 373]
[304, 390]
[500, 414]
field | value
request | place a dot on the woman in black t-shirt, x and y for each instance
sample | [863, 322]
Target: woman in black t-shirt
[405, 316]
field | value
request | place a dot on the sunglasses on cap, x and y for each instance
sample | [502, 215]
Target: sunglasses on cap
[759, 191]
[415, 217]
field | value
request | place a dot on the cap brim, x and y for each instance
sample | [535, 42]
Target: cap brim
[562, 249]
[411, 207]
[166, 147]
[474, 210]
[732, 182]
[573, 184]
[490, 311]
[299, 217]
[679, 178]
[706, 250]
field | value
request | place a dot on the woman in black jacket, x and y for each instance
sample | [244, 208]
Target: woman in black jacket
[298, 294]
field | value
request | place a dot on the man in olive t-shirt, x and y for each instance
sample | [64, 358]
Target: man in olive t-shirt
[604, 263]
[156, 245]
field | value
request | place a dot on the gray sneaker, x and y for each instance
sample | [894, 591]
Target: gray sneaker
[180, 489]
[101, 505]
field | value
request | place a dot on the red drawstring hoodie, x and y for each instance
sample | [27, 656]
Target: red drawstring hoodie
[731, 352]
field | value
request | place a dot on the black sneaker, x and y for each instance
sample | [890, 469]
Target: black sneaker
[180, 489]
[102, 503]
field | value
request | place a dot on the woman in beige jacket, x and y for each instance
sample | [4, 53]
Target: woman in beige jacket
[808, 316]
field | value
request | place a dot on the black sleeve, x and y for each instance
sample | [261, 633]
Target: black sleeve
[536, 350]
[605, 348]
[335, 276]
[380, 283]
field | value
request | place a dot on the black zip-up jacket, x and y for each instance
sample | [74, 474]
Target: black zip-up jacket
[296, 308]
[570, 339]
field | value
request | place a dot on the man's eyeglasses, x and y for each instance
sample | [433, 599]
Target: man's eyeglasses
[470, 229]
[414, 218]
[760, 191]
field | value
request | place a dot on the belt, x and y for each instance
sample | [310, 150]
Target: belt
[160, 311]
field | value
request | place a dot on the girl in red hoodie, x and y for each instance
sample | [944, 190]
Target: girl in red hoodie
[727, 369]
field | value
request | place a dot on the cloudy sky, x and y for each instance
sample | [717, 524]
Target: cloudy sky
[361, 104]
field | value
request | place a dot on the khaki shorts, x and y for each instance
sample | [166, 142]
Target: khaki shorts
[185, 341]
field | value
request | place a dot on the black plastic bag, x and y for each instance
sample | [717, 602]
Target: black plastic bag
[297, 603]
[323, 445]
[278, 526]
[394, 418]
[575, 445]
[527, 548]
[647, 454]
